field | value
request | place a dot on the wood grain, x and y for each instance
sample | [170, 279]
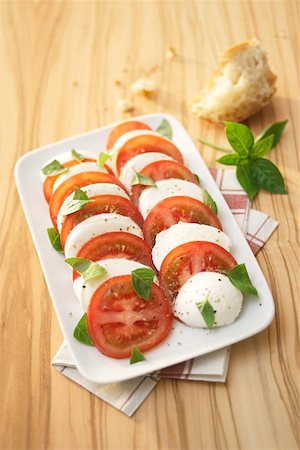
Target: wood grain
[59, 62]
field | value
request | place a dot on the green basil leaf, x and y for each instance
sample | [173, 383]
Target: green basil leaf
[81, 332]
[247, 181]
[77, 156]
[240, 279]
[54, 239]
[54, 168]
[276, 129]
[267, 176]
[139, 178]
[86, 268]
[209, 201]
[73, 206]
[197, 178]
[102, 158]
[141, 282]
[207, 312]
[136, 356]
[262, 147]
[165, 129]
[239, 136]
[230, 160]
[79, 194]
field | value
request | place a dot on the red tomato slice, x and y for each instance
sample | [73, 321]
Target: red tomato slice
[101, 204]
[118, 319]
[163, 170]
[116, 244]
[174, 209]
[79, 180]
[145, 144]
[50, 180]
[123, 128]
[188, 259]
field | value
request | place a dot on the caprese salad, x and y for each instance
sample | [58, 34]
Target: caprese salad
[144, 241]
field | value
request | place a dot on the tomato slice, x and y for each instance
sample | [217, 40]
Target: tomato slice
[144, 144]
[79, 180]
[190, 258]
[50, 180]
[175, 209]
[163, 170]
[101, 204]
[123, 128]
[116, 244]
[118, 319]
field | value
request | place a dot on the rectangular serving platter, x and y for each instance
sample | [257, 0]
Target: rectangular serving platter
[184, 342]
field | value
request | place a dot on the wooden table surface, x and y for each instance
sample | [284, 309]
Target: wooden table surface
[58, 70]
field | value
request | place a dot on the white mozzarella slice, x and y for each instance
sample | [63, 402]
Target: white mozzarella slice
[138, 163]
[74, 170]
[96, 225]
[225, 299]
[84, 290]
[65, 157]
[167, 188]
[183, 232]
[91, 190]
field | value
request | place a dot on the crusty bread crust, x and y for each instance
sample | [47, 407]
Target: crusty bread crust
[240, 86]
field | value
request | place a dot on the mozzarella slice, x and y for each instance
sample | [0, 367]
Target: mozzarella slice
[182, 232]
[167, 188]
[96, 225]
[91, 190]
[74, 170]
[64, 157]
[138, 163]
[84, 290]
[225, 299]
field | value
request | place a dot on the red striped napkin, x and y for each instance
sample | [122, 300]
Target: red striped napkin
[127, 396]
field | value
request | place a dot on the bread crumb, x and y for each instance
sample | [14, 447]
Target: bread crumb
[143, 86]
[118, 82]
[125, 105]
[171, 53]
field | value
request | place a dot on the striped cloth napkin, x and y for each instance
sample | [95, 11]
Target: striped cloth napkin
[128, 395]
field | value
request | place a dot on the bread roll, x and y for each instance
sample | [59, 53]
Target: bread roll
[240, 86]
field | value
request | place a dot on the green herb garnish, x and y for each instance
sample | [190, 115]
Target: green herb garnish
[102, 158]
[141, 282]
[54, 239]
[81, 332]
[165, 129]
[77, 156]
[209, 201]
[86, 268]
[139, 178]
[207, 312]
[240, 279]
[80, 199]
[54, 168]
[197, 178]
[136, 356]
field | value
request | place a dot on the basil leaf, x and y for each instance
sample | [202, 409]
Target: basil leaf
[136, 356]
[197, 178]
[209, 201]
[276, 129]
[207, 312]
[247, 181]
[77, 156]
[240, 279]
[54, 168]
[86, 268]
[102, 158]
[139, 178]
[239, 136]
[267, 176]
[165, 129]
[141, 282]
[262, 147]
[79, 200]
[230, 160]
[79, 194]
[54, 239]
[81, 332]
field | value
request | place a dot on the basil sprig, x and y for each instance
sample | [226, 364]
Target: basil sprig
[209, 201]
[77, 156]
[86, 268]
[81, 332]
[207, 312]
[140, 178]
[80, 199]
[141, 281]
[240, 279]
[54, 168]
[165, 129]
[102, 158]
[136, 356]
[54, 239]
[253, 171]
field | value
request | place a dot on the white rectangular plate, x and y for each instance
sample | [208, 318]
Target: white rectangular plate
[183, 343]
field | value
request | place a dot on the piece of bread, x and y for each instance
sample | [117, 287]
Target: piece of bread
[240, 86]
